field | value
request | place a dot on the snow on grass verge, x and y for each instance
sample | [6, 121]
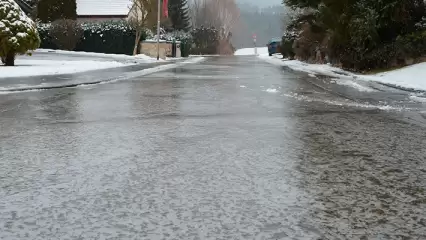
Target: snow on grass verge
[26, 68]
[312, 69]
[408, 77]
[101, 55]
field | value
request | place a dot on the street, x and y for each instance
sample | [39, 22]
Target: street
[228, 148]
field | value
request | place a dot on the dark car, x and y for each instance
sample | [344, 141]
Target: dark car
[274, 46]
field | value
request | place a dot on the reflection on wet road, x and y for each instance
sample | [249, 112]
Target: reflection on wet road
[231, 148]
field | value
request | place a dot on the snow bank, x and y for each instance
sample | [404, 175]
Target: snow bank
[90, 81]
[100, 55]
[409, 77]
[25, 68]
[89, 61]
[312, 69]
[250, 51]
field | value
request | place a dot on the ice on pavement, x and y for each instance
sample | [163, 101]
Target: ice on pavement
[271, 90]
[418, 99]
[122, 77]
[26, 68]
[351, 83]
[250, 51]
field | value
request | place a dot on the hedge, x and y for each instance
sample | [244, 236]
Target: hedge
[205, 40]
[184, 38]
[387, 55]
[115, 37]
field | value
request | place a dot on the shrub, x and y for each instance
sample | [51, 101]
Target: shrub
[205, 40]
[66, 33]
[387, 55]
[108, 37]
[184, 37]
[413, 44]
[287, 44]
[18, 33]
[51, 10]
[105, 37]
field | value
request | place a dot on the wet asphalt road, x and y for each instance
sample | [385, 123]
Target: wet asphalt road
[230, 148]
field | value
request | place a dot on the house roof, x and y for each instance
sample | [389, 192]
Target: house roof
[25, 6]
[103, 7]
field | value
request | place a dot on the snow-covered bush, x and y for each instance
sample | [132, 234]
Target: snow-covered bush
[185, 39]
[18, 33]
[102, 37]
[421, 25]
[177, 35]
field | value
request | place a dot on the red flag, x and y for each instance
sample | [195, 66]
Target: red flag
[166, 8]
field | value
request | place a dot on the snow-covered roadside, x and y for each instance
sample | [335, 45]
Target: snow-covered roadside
[90, 81]
[411, 77]
[250, 51]
[80, 62]
[312, 69]
[139, 57]
[27, 67]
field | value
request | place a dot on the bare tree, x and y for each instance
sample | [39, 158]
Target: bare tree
[221, 14]
[140, 12]
[196, 10]
[224, 15]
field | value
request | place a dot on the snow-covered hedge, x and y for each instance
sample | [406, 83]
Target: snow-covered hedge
[104, 37]
[177, 35]
[184, 37]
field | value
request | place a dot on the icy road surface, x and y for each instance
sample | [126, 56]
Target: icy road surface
[229, 148]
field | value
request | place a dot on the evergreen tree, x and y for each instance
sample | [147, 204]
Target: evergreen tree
[51, 10]
[178, 14]
[365, 34]
[18, 33]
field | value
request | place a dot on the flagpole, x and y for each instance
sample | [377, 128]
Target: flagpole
[158, 29]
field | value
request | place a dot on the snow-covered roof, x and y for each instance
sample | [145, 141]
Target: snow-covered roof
[103, 7]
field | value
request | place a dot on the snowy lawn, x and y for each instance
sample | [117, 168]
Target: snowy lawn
[411, 77]
[80, 62]
[28, 67]
[140, 57]
[250, 51]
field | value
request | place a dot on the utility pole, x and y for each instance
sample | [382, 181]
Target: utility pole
[158, 29]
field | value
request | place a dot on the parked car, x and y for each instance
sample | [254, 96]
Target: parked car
[274, 46]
